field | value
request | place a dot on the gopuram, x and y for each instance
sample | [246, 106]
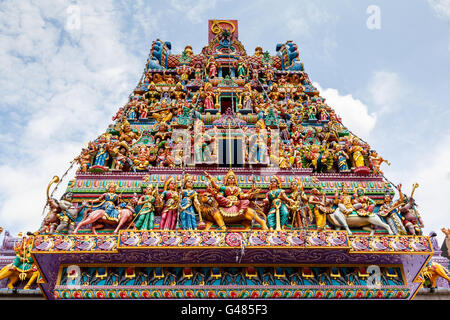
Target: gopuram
[226, 175]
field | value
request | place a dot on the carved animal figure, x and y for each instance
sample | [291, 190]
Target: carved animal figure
[98, 219]
[339, 219]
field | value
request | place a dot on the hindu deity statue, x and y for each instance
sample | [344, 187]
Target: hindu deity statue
[109, 202]
[208, 97]
[132, 110]
[103, 149]
[141, 161]
[245, 98]
[178, 93]
[169, 199]
[301, 213]
[163, 133]
[258, 145]
[127, 134]
[367, 205]
[189, 203]
[146, 215]
[357, 152]
[152, 94]
[163, 112]
[341, 156]
[203, 141]
[389, 211]
[344, 201]
[23, 266]
[259, 51]
[120, 155]
[232, 200]
[212, 69]
[241, 69]
[85, 158]
[376, 162]
[278, 215]
[318, 204]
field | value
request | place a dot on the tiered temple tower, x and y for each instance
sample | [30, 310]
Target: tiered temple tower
[227, 175]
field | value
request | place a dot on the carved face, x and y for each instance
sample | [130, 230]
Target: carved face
[231, 180]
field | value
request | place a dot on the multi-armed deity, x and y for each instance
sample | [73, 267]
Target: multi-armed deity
[222, 148]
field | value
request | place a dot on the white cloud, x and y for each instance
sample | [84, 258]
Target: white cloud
[386, 89]
[60, 87]
[354, 113]
[194, 10]
[441, 8]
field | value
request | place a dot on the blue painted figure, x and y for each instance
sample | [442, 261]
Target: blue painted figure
[189, 201]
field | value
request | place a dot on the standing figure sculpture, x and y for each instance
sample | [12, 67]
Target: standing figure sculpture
[170, 200]
[189, 201]
[146, 215]
[301, 213]
[278, 215]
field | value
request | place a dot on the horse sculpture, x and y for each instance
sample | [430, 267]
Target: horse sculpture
[209, 209]
[341, 220]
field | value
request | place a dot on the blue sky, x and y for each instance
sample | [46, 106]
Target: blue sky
[67, 66]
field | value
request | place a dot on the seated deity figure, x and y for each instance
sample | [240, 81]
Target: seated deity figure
[278, 215]
[367, 205]
[110, 202]
[230, 197]
[127, 134]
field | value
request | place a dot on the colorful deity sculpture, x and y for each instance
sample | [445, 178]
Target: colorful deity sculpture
[189, 204]
[23, 266]
[109, 202]
[341, 156]
[367, 205]
[357, 152]
[320, 206]
[102, 152]
[258, 145]
[169, 199]
[278, 201]
[146, 215]
[301, 213]
[230, 197]
[389, 211]
[376, 162]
